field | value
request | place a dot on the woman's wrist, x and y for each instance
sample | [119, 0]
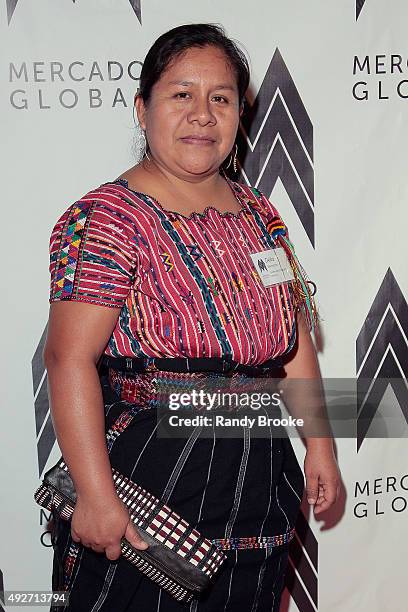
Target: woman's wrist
[98, 483]
[96, 492]
[319, 444]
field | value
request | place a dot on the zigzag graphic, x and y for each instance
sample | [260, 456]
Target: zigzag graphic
[167, 262]
[194, 251]
[382, 354]
[135, 4]
[276, 141]
[359, 6]
[220, 252]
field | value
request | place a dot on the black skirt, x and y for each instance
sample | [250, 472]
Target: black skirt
[243, 493]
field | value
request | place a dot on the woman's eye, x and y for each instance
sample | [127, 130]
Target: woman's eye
[184, 95]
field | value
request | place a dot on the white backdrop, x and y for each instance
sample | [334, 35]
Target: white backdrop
[337, 159]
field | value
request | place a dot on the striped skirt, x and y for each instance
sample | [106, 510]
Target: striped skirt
[243, 493]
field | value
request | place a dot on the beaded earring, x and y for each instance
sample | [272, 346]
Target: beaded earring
[141, 136]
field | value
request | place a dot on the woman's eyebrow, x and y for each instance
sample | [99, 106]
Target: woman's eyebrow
[226, 86]
[186, 83]
[189, 83]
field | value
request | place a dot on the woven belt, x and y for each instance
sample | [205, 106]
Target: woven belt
[189, 364]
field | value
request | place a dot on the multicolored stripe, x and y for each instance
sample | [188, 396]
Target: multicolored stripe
[92, 258]
[254, 541]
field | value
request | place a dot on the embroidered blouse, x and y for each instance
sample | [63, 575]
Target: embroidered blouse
[186, 286]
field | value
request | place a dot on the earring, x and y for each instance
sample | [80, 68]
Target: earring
[142, 144]
[145, 146]
[141, 136]
[233, 159]
[234, 163]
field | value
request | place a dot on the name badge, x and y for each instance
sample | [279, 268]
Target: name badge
[272, 266]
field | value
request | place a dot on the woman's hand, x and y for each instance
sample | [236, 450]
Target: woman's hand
[101, 523]
[322, 478]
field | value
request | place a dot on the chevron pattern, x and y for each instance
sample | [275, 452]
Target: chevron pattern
[382, 354]
[43, 421]
[135, 4]
[276, 141]
[359, 6]
[301, 576]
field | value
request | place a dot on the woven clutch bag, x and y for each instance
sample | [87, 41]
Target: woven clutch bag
[179, 559]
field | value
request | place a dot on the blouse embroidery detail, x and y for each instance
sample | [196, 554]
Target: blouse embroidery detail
[175, 214]
[184, 286]
[70, 249]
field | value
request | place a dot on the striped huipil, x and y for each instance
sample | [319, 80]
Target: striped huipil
[185, 285]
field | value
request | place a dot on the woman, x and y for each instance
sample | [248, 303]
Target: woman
[157, 264]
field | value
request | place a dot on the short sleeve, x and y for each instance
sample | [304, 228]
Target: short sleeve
[92, 255]
[302, 289]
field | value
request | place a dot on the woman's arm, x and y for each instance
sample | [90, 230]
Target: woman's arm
[303, 392]
[303, 395]
[77, 335]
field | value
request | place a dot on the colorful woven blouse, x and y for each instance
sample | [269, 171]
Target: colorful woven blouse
[185, 285]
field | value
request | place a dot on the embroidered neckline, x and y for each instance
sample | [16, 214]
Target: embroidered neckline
[240, 196]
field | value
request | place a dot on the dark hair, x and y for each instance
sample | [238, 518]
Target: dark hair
[174, 42]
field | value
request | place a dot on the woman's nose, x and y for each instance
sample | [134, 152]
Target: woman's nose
[201, 111]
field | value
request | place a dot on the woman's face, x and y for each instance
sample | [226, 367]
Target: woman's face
[192, 116]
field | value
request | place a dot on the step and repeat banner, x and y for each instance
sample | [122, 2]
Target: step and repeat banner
[326, 138]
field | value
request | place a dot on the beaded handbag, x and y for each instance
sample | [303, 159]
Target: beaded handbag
[179, 559]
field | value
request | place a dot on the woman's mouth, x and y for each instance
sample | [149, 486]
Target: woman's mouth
[196, 139]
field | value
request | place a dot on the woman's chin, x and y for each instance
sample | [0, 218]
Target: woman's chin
[198, 168]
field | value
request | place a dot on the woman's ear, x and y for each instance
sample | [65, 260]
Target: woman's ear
[140, 110]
